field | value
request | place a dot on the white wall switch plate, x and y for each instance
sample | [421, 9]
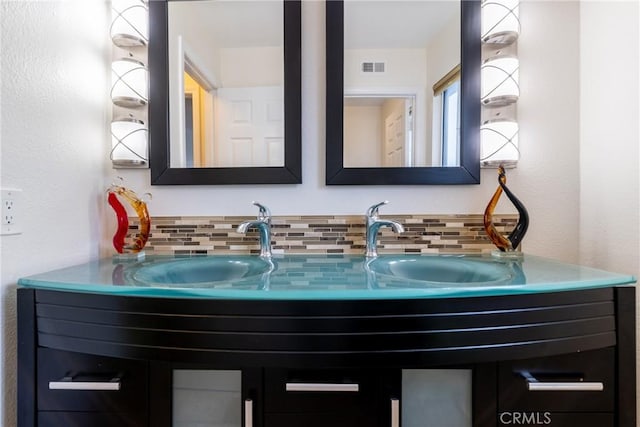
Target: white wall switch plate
[11, 211]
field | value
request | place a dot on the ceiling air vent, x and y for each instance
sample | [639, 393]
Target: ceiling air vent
[373, 67]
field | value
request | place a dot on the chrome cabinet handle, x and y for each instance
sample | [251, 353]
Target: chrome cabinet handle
[67, 383]
[395, 412]
[339, 387]
[534, 384]
[248, 413]
[566, 386]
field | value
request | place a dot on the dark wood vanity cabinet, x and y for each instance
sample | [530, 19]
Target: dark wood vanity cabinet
[563, 359]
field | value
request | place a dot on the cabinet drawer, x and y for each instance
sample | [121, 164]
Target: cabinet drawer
[555, 419]
[93, 419]
[333, 419]
[568, 383]
[319, 390]
[78, 382]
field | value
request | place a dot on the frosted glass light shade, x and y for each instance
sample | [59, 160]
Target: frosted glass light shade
[500, 21]
[129, 83]
[499, 143]
[129, 23]
[129, 143]
[500, 81]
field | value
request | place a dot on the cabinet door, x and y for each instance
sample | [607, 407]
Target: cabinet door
[555, 419]
[328, 419]
[93, 419]
[436, 397]
[211, 398]
[70, 381]
[216, 398]
[325, 397]
[309, 390]
[579, 382]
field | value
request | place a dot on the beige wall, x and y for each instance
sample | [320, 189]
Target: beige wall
[363, 136]
[609, 136]
[54, 113]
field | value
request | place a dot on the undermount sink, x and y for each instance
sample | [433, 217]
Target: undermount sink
[201, 271]
[449, 271]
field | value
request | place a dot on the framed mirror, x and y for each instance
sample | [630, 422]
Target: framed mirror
[403, 92]
[225, 101]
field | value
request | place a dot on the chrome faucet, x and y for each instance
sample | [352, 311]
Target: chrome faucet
[373, 225]
[263, 224]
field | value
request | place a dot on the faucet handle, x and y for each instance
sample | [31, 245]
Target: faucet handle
[372, 212]
[263, 212]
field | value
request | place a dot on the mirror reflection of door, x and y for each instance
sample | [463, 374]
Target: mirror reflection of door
[251, 127]
[402, 47]
[226, 90]
[198, 135]
[379, 130]
[395, 134]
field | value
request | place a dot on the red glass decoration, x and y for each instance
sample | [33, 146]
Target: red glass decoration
[140, 207]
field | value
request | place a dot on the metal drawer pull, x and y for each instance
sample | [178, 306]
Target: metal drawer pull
[322, 387]
[533, 384]
[395, 412]
[248, 413]
[67, 383]
[578, 386]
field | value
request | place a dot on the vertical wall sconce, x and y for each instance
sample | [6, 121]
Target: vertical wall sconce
[500, 21]
[130, 23]
[500, 83]
[129, 138]
[129, 83]
[499, 143]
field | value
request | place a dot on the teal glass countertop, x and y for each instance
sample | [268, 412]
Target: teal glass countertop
[324, 277]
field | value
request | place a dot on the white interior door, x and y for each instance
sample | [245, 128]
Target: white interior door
[251, 127]
[394, 138]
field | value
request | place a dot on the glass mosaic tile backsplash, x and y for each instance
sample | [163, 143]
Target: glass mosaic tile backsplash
[339, 234]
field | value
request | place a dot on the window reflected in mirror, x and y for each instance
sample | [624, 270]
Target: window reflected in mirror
[226, 90]
[395, 54]
[446, 119]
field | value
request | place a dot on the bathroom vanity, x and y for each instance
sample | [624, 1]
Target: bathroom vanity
[327, 341]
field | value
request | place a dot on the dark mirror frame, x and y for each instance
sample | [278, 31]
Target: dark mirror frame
[469, 170]
[161, 171]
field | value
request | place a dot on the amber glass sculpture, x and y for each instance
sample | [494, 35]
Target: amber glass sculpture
[115, 193]
[510, 243]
